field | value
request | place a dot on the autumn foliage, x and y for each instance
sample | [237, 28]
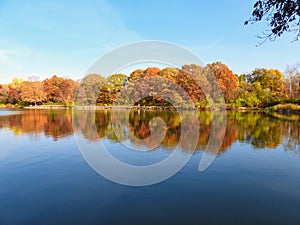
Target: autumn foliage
[59, 89]
[32, 92]
[199, 85]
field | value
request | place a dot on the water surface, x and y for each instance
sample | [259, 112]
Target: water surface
[255, 178]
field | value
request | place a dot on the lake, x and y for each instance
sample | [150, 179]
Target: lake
[46, 178]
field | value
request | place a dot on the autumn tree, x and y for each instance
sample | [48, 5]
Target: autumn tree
[3, 93]
[59, 89]
[169, 73]
[67, 91]
[111, 88]
[13, 95]
[16, 82]
[32, 92]
[198, 82]
[89, 89]
[152, 87]
[227, 81]
[133, 88]
[158, 84]
[13, 90]
[151, 72]
[176, 76]
[136, 75]
[52, 87]
[281, 15]
[270, 79]
[192, 78]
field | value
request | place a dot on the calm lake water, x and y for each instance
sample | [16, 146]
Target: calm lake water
[255, 178]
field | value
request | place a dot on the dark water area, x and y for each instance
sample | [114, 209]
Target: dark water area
[44, 178]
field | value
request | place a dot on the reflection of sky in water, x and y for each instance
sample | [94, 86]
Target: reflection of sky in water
[8, 112]
[7, 143]
[135, 157]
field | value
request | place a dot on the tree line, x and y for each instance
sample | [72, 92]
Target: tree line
[154, 86]
[54, 90]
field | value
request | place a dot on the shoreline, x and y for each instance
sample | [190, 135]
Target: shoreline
[154, 108]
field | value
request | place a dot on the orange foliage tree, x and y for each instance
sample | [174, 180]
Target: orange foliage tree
[32, 92]
[59, 89]
[227, 81]
[3, 93]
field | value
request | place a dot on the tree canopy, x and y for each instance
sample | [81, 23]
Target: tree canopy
[32, 92]
[199, 85]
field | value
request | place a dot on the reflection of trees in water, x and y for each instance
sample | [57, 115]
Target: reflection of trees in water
[258, 129]
[231, 134]
[92, 124]
[264, 131]
[135, 126]
[291, 129]
[293, 138]
[53, 123]
[139, 126]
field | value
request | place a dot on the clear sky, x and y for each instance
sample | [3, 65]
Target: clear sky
[43, 38]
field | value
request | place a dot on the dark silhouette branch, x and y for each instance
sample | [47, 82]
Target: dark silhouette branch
[281, 15]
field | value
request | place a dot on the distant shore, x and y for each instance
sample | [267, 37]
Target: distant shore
[287, 108]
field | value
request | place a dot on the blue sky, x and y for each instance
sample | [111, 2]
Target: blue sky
[43, 38]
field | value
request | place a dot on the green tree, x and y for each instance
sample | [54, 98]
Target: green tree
[247, 97]
[251, 94]
[269, 78]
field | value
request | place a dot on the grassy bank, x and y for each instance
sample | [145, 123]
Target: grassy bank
[288, 108]
[282, 108]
